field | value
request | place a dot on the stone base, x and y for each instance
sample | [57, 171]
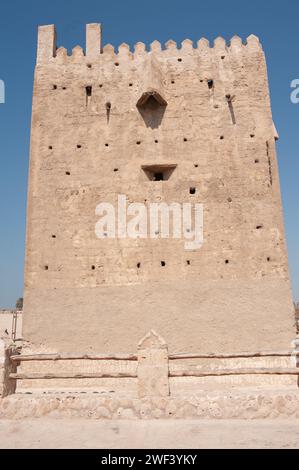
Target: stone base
[252, 403]
[178, 386]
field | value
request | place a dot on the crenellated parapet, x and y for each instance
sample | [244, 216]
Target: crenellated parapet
[48, 51]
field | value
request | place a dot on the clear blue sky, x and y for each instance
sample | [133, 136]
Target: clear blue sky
[130, 21]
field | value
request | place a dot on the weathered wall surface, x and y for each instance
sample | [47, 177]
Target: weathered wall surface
[82, 293]
[7, 386]
[6, 323]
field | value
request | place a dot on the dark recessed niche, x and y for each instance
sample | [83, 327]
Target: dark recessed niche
[88, 90]
[192, 191]
[158, 172]
[64, 87]
[159, 176]
[50, 147]
[229, 199]
[223, 57]
[67, 173]
[195, 165]
[221, 137]
[101, 85]
[138, 142]
[89, 66]
[172, 82]
[79, 146]
[210, 84]
[180, 59]
[256, 160]
[163, 264]
[115, 170]
[259, 227]
[46, 268]
[268, 259]
[156, 141]
[130, 84]
[116, 64]
[93, 267]
[108, 105]
[53, 236]
[54, 87]
[138, 265]
[185, 139]
[188, 262]
[227, 261]
[106, 145]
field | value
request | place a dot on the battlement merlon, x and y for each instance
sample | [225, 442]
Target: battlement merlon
[93, 40]
[46, 44]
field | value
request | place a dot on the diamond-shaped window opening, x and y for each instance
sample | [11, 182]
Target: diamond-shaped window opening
[151, 100]
[158, 172]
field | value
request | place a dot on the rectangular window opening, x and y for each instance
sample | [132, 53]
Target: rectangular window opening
[88, 91]
[159, 176]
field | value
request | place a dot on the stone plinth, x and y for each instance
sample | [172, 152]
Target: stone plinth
[152, 367]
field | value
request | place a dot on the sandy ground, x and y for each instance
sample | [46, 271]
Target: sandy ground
[75, 433]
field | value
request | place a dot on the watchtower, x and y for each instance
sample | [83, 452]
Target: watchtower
[159, 125]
